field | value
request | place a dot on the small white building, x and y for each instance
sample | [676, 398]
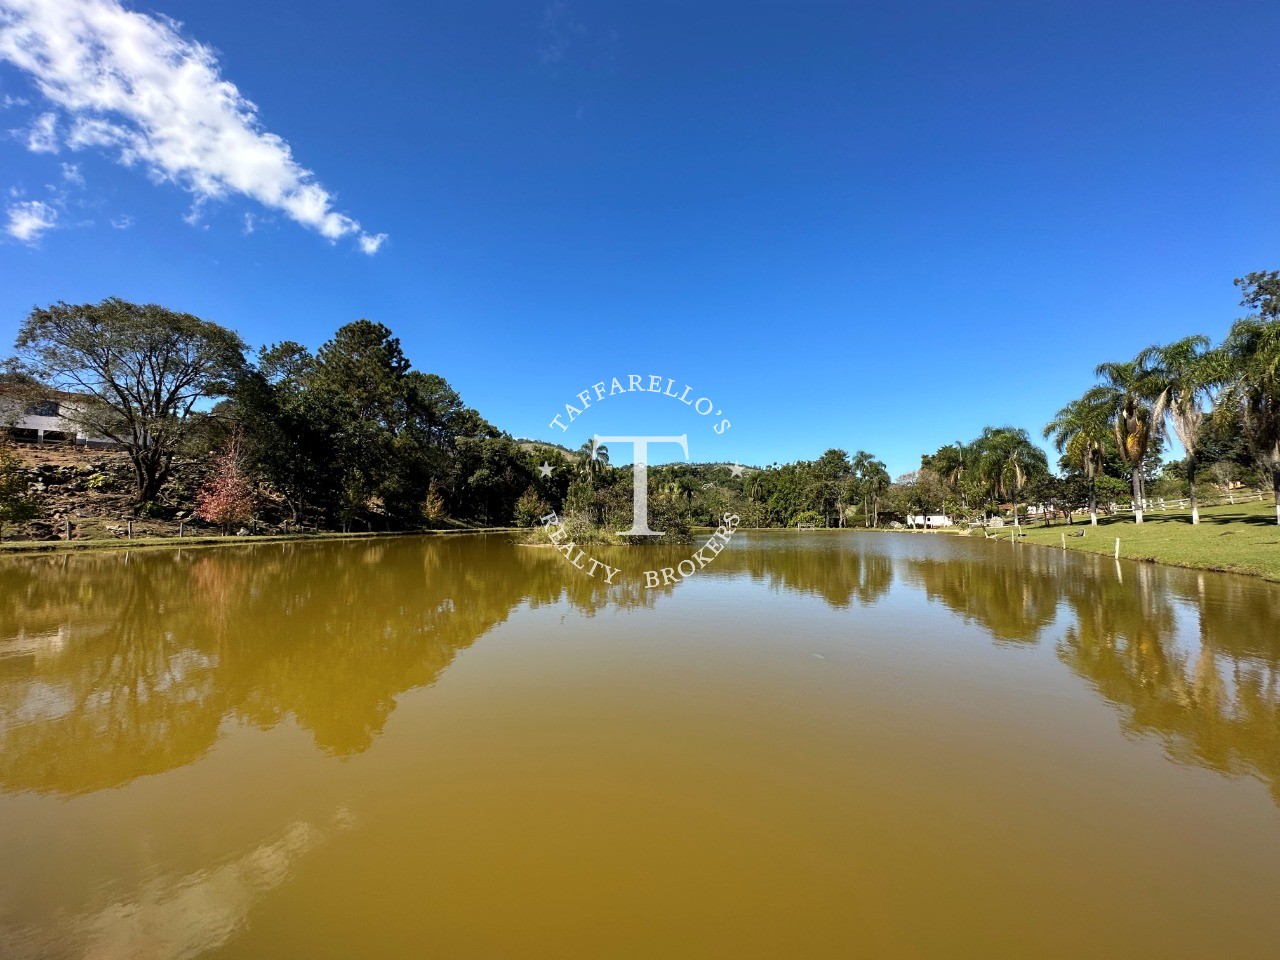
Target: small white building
[928, 521]
[51, 418]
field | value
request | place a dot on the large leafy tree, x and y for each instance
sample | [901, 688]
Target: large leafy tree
[353, 433]
[143, 371]
[284, 437]
[1252, 373]
[831, 473]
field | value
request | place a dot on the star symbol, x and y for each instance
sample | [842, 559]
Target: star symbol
[545, 469]
[737, 469]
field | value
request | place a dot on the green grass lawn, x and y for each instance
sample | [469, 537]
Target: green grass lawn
[1242, 539]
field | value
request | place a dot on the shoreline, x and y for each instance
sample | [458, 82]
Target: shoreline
[20, 548]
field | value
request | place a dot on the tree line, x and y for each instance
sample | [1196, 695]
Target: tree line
[1221, 401]
[351, 435]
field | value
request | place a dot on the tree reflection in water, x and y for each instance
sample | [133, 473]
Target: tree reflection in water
[1188, 657]
[113, 666]
[1012, 593]
[1211, 695]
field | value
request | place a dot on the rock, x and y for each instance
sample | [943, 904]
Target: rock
[242, 532]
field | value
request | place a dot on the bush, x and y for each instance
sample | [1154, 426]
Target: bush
[530, 508]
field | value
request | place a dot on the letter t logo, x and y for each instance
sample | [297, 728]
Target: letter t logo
[640, 476]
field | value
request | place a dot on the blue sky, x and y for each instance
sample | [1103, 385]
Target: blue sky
[875, 226]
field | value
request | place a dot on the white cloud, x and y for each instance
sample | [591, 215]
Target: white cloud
[42, 137]
[122, 222]
[371, 245]
[71, 173]
[29, 219]
[134, 84]
[7, 101]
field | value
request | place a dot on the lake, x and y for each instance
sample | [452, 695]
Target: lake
[823, 744]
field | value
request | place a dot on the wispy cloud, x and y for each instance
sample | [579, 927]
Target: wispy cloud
[122, 222]
[132, 83]
[29, 219]
[42, 135]
[559, 30]
[71, 173]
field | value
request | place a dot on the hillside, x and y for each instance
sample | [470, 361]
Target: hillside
[93, 489]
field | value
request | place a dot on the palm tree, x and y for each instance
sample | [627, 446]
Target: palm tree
[875, 481]
[1251, 357]
[950, 463]
[872, 479]
[1137, 412]
[1009, 457]
[1184, 371]
[1079, 431]
[592, 458]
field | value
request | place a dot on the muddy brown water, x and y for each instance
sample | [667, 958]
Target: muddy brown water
[821, 745]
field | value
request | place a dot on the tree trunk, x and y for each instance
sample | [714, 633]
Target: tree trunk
[1093, 501]
[150, 472]
[1136, 479]
[1275, 489]
[1191, 482]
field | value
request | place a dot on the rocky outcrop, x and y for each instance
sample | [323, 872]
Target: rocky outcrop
[93, 491]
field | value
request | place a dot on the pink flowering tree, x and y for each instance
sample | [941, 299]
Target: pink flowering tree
[227, 497]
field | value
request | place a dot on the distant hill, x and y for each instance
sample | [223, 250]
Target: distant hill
[539, 446]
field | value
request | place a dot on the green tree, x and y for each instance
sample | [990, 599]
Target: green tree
[1252, 374]
[1009, 458]
[530, 508]
[1079, 432]
[142, 369]
[830, 477]
[592, 460]
[285, 438]
[871, 478]
[951, 463]
[16, 506]
[1184, 373]
[1131, 393]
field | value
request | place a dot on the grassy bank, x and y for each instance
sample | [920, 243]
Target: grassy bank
[116, 543]
[1240, 539]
